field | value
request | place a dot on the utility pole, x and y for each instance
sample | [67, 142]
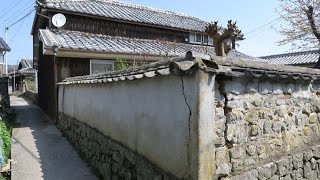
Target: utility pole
[6, 58]
[14, 79]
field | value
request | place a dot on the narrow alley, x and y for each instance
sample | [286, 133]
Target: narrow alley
[39, 151]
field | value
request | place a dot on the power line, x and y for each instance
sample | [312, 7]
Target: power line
[20, 19]
[17, 31]
[258, 28]
[19, 13]
[16, 10]
[9, 9]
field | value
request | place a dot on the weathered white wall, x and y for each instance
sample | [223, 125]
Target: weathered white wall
[150, 116]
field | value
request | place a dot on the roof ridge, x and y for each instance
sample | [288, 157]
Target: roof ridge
[122, 3]
[125, 4]
[289, 54]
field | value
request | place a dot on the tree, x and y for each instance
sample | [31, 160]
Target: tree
[303, 17]
[221, 35]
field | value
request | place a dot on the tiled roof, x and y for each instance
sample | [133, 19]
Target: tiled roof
[25, 63]
[110, 44]
[4, 46]
[240, 55]
[24, 67]
[304, 57]
[216, 65]
[73, 40]
[128, 12]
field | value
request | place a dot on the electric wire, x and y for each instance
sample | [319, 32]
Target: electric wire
[16, 32]
[18, 14]
[20, 19]
[9, 9]
[260, 27]
[22, 10]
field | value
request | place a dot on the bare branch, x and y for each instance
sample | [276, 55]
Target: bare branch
[302, 17]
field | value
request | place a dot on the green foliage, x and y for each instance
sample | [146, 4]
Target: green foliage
[6, 126]
[31, 78]
[121, 64]
[31, 84]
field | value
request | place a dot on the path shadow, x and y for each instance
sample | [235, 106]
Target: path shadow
[40, 147]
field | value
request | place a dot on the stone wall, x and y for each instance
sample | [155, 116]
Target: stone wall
[225, 119]
[259, 121]
[150, 116]
[297, 165]
[108, 158]
[31, 96]
[160, 111]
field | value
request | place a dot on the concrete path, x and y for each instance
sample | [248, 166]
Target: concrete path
[38, 149]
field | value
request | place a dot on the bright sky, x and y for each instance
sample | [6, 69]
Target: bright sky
[250, 15]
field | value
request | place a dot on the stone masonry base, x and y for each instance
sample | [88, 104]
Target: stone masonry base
[107, 158]
[304, 165]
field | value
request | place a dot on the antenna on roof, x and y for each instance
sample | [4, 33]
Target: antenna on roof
[59, 20]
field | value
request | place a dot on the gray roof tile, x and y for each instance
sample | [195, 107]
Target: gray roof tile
[110, 44]
[129, 12]
[304, 57]
[4, 46]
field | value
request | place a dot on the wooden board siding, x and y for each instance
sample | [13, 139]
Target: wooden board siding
[70, 67]
[46, 87]
[113, 28]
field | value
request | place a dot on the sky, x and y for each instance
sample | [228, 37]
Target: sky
[251, 16]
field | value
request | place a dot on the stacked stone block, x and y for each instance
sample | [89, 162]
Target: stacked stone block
[258, 122]
[108, 158]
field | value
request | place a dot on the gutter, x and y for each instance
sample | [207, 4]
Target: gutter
[79, 53]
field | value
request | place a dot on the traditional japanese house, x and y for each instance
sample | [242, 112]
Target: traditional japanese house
[4, 48]
[302, 58]
[97, 33]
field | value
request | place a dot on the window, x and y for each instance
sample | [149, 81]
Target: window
[210, 41]
[101, 66]
[192, 37]
[198, 38]
[205, 39]
[195, 38]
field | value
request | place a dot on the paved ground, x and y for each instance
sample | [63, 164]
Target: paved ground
[39, 151]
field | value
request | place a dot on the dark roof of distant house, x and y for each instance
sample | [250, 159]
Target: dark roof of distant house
[122, 11]
[4, 46]
[74, 40]
[25, 63]
[303, 57]
[24, 67]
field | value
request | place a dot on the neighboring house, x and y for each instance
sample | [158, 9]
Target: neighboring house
[26, 67]
[4, 47]
[303, 58]
[12, 68]
[18, 73]
[98, 32]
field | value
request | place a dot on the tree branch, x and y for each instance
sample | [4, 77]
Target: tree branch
[309, 13]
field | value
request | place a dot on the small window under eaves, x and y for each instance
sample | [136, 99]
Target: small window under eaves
[101, 66]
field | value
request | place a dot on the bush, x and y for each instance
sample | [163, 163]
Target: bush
[6, 126]
[121, 64]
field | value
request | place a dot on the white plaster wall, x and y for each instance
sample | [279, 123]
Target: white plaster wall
[150, 116]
